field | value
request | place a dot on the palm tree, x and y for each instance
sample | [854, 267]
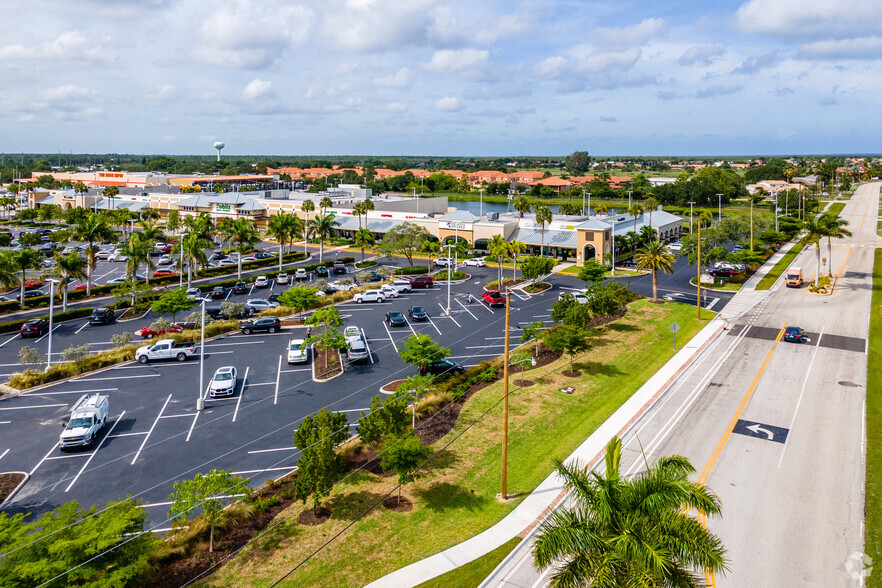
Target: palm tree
[515, 248]
[323, 226]
[635, 210]
[543, 217]
[68, 267]
[601, 208]
[833, 227]
[192, 247]
[754, 199]
[24, 260]
[651, 204]
[358, 210]
[522, 205]
[92, 229]
[367, 206]
[364, 238]
[498, 247]
[655, 257]
[138, 249]
[8, 272]
[244, 234]
[307, 206]
[151, 231]
[282, 226]
[631, 531]
[325, 203]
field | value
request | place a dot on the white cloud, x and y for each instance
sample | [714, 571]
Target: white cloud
[376, 25]
[68, 47]
[449, 104]
[859, 48]
[62, 94]
[625, 37]
[450, 60]
[715, 91]
[161, 94]
[400, 79]
[551, 67]
[67, 102]
[396, 107]
[257, 88]
[700, 55]
[801, 18]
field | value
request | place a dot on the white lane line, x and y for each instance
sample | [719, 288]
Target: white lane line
[241, 393]
[278, 378]
[291, 372]
[712, 304]
[450, 316]
[128, 434]
[431, 322]
[234, 344]
[193, 424]
[287, 469]
[185, 414]
[73, 456]
[2, 455]
[354, 410]
[55, 328]
[92, 454]
[292, 448]
[799, 400]
[147, 436]
[227, 297]
[10, 339]
[5, 422]
[370, 354]
[34, 406]
[76, 392]
[390, 336]
[251, 290]
[81, 328]
[253, 384]
[147, 365]
[116, 378]
[487, 346]
[475, 355]
[410, 327]
[45, 457]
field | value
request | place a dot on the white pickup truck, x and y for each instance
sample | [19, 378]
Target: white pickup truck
[165, 349]
[87, 417]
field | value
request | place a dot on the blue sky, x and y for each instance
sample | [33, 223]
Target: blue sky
[414, 77]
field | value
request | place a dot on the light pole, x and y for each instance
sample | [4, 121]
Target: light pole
[482, 203]
[589, 203]
[449, 246]
[776, 212]
[583, 200]
[51, 311]
[690, 217]
[629, 198]
[132, 227]
[720, 208]
[200, 402]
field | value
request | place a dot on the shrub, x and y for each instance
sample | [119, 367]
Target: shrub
[364, 264]
[57, 317]
[417, 269]
[121, 339]
[29, 355]
[30, 378]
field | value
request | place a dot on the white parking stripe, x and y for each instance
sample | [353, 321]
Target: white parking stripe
[143, 443]
[450, 316]
[88, 461]
[431, 322]
[35, 406]
[2, 455]
[45, 457]
[292, 448]
[278, 377]
[390, 336]
[8, 340]
[241, 393]
[289, 469]
[193, 424]
[55, 328]
[75, 392]
[292, 371]
[370, 354]
[466, 309]
[410, 326]
[81, 328]
[115, 378]
[486, 346]
[475, 355]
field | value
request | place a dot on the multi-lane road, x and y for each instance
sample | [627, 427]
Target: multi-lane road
[776, 429]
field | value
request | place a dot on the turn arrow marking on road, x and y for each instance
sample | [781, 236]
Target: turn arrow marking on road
[757, 429]
[761, 431]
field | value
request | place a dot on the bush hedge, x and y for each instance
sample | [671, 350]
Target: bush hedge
[59, 371]
[406, 271]
[57, 317]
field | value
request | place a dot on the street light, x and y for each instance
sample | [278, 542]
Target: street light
[482, 203]
[449, 247]
[776, 212]
[629, 198]
[720, 208]
[200, 402]
[690, 217]
[181, 260]
[51, 311]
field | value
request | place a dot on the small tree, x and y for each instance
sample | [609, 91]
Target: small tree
[404, 239]
[76, 352]
[387, 416]
[532, 267]
[29, 355]
[404, 456]
[232, 310]
[173, 301]
[121, 339]
[173, 222]
[299, 298]
[319, 465]
[207, 492]
[413, 387]
[533, 331]
[593, 271]
[567, 339]
[420, 349]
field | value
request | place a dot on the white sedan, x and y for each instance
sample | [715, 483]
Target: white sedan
[261, 304]
[298, 352]
[223, 383]
[118, 256]
[476, 262]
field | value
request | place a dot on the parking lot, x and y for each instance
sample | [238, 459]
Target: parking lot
[155, 436]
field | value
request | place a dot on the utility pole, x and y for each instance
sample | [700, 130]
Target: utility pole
[720, 208]
[504, 491]
[698, 265]
[690, 217]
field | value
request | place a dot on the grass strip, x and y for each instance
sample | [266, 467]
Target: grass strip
[836, 208]
[473, 573]
[779, 268]
[456, 497]
[873, 498]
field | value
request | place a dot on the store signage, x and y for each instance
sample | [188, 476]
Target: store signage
[222, 207]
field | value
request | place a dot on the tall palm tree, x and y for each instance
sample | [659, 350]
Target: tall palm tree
[282, 226]
[323, 226]
[8, 272]
[306, 206]
[245, 236]
[92, 229]
[655, 257]
[367, 205]
[325, 203]
[515, 248]
[754, 199]
[138, 249]
[68, 267]
[651, 204]
[833, 227]
[151, 231]
[635, 210]
[543, 217]
[522, 205]
[601, 208]
[23, 261]
[498, 247]
[192, 248]
[364, 238]
[358, 210]
[636, 531]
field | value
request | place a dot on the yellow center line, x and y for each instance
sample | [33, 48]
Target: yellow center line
[861, 228]
[841, 269]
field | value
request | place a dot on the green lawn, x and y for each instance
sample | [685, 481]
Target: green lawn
[873, 500]
[574, 270]
[473, 573]
[457, 497]
[836, 208]
[779, 268]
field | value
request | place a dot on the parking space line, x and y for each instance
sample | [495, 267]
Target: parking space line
[241, 393]
[292, 371]
[234, 344]
[193, 424]
[5, 422]
[410, 326]
[147, 436]
[35, 406]
[278, 377]
[92, 454]
[431, 322]
[2, 455]
[466, 309]
[486, 346]
[71, 456]
[128, 434]
[475, 355]
[81, 328]
[116, 378]
[45, 457]
[227, 297]
[292, 448]
[289, 469]
[8, 340]
[55, 328]
[450, 316]
[390, 336]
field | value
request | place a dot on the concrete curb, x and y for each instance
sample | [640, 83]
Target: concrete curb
[314, 378]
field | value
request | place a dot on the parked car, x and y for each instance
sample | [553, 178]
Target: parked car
[356, 347]
[240, 288]
[322, 272]
[103, 254]
[194, 293]
[118, 256]
[83, 286]
[301, 274]
[369, 296]
[258, 304]
[31, 294]
[390, 291]
[265, 323]
[351, 331]
[493, 298]
[443, 262]
[33, 284]
[223, 383]
[417, 314]
[164, 273]
[795, 335]
[217, 256]
[261, 282]
[340, 267]
[298, 351]
[283, 280]
[262, 255]
[102, 316]
[164, 260]
[579, 296]
[274, 298]
[148, 333]
[395, 319]
[441, 367]
[422, 282]
[723, 272]
[476, 262]
[217, 292]
[87, 417]
[34, 328]
[377, 277]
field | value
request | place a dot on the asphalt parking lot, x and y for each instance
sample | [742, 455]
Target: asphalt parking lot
[155, 436]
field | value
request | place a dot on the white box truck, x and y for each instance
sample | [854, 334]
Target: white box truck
[87, 417]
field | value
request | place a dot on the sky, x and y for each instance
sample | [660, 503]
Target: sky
[427, 77]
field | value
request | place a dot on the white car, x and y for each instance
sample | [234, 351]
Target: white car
[389, 291]
[351, 331]
[476, 262]
[342, 286]
[402, 285]
[261, 304]
[369, 296]
[298, 352]
[300, 274]
[103, 254]
[118, 256]
[164, 260]
[194, 293]
[261, 282]
[249, 258]
[223, 383]
[580, 296]
[443, 262]
[283, 279]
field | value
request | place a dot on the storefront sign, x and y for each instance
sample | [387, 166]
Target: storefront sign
[222, 207]
[454, 225]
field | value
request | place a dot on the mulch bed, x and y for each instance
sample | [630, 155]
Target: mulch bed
[571, 373]
[327, 363]
[537, 287]
[314, 517]
[8, 483]
[524, 383]
[392, 386]
[392, 503]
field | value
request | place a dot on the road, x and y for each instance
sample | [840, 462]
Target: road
[776, 429]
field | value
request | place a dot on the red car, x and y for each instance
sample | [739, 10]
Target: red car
[83, 286]
[162, 274]
[493, 298]
[421, 282]
[32, 284]
[148, 333]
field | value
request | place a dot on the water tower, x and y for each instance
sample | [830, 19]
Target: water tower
[219, 145]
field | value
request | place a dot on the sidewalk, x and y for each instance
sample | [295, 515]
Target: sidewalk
[551, 491]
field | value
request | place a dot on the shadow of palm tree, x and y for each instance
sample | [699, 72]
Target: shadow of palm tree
[444, 496]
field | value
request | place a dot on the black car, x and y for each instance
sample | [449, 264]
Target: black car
[375, 277]
[101, 316]
[395, 319]
[339, 267]
[417, 313]
[273, 297]
[214, 313]
[264, 323]
[34, 328]
[240, 288]
[322, 272]
[442, 367]
[262, 255]
[795, 335]
[217, 255]
[31, 294]
[217, 292]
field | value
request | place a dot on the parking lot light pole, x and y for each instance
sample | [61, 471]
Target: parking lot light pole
[690, 216]
[449, 247]
[720, 208]
[51, 310]
[200, 403]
